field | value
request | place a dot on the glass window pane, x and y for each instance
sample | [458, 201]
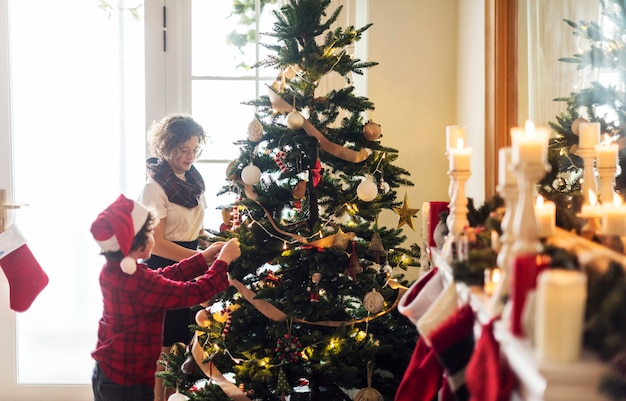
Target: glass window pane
[214, 175]
[224, 43]
[79, 141]
[217, 106]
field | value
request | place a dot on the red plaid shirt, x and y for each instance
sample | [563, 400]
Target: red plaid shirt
[130, 331]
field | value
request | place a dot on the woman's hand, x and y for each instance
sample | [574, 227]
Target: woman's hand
[230, 251]
[210, 253]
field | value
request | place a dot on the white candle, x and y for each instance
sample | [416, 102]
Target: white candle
[593, 209]
[559, 314]
[614, 217]
[530, 144]
[492, 277]
[606, 154]
[506, 175]
[545, 216]
[460, 157]
[589, 135]
[453, 133]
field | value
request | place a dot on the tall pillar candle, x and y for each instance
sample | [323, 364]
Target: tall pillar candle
[530, 144]
[606, 155]
[545, 215]
[588, 135]
[460, 157]
[559, 314]
[614, 217]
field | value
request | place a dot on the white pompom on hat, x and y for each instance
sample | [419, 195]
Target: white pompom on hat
[115, 228]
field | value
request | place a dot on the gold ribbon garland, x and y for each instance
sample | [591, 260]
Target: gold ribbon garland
[273, 313]
[271, 220]
[212, 372]
[350, 155]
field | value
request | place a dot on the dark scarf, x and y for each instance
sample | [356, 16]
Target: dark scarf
[181, 192]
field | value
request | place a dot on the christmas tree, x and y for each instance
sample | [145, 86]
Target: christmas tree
[602, 60]
[311, 312]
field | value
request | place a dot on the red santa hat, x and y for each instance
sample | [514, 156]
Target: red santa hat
[115, 228]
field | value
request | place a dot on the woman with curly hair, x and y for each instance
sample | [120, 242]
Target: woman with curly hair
[175, 190]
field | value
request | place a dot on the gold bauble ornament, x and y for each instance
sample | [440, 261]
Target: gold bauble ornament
[295, 120]
[255, 130]
[369, 393]
[373, 301]
[372, 131]
[203, 318]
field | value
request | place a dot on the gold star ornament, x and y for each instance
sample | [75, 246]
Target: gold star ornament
[406, 213]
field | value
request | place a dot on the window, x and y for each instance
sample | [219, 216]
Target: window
[224, 45]
[77, 133]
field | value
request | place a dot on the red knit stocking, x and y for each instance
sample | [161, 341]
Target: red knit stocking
[25, 275]
[423, 377]
[488, 362]
[453, 343]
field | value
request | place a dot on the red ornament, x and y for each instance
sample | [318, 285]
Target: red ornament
[288, 348]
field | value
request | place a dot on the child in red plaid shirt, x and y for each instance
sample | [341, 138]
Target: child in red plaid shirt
[135, 298]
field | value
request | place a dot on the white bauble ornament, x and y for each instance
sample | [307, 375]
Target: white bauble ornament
[373, 301]
[295, 120]
[251, 174]
[367, 190]
[372, 131]
[177, 397]
[255, 130]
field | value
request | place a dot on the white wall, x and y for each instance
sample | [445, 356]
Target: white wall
[471, 89]
[414, 90]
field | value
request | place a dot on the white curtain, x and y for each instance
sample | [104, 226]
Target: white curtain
[547, 38]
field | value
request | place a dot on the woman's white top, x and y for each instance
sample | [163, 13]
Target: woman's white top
[181, 223]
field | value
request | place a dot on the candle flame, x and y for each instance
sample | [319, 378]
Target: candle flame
[606, 140]
[593, 199]
[460, 143]
[495, 275]
[617, 200]
[530, 129]
[539, 203]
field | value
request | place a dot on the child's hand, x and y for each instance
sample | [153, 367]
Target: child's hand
[211, 252]
[230, 251]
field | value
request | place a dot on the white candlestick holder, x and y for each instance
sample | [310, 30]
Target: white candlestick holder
[607, 178]
[524, 224]
[505, 257]
[589, 182]
[457, 218]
